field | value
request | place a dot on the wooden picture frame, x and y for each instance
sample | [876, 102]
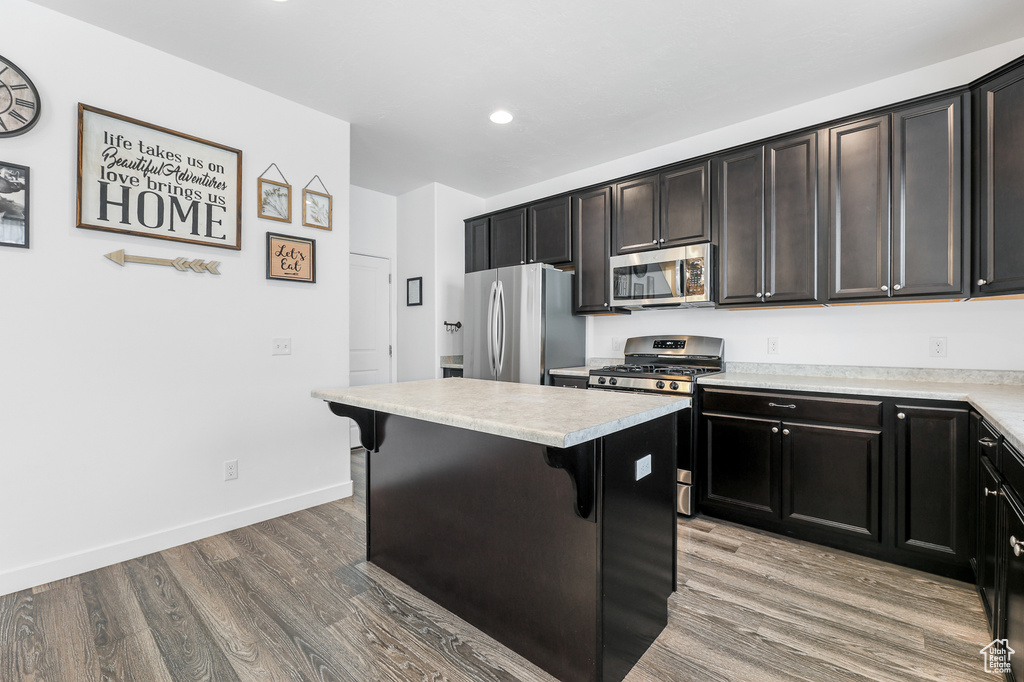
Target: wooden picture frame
[275, 200]
[414, 291]
[317, 209]
[149, 181]
[291, 259]
[14, 205]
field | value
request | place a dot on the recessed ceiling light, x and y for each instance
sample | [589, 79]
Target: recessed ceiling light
[501, 117]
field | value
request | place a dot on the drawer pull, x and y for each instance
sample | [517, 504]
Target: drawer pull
[901, 415]
[988, 442]
[994, 493]
[775, 429]
[788, 407]
[1016, 546]
[785, 432]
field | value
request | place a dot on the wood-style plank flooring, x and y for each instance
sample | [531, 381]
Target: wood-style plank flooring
[293, 599]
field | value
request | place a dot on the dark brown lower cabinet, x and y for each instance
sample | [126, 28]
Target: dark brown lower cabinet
[987, 538]
[877, 476]
[831, 475]
[1012, 615]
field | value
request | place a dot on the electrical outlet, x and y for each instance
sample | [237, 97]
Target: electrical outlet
[281, 346]
[231, 470]
[773, 345]
[937, 347]
[618, 343]
[643, 467]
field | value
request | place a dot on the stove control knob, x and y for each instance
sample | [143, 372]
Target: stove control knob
[600, 380]
[660, 384]
[613, 381]
[674, 385]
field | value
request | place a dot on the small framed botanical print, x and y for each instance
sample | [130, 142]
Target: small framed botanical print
[316, 209]
[291, 258]
[13, 205]
[275, 200]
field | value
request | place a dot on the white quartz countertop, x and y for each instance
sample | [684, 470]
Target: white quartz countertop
[1002, 405]
[547, 415]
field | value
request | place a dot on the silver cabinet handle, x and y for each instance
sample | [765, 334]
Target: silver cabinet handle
[655, 241]
[785, 432]
[982, 282]
[758, 294]
[988, 442]
[775, 429]
[788, 407]
[993, 493]
[885, 287]
[522, 261]
[768, 294]
[897, 287]
[901, 415]
[1016, 546]
[662, 240]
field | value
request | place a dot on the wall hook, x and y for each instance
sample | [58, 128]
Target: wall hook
[452, 327]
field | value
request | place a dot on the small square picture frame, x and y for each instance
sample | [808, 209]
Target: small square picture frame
[275, 201]
[14, 205]
[414, 291]
[291, 259]
[317, 209]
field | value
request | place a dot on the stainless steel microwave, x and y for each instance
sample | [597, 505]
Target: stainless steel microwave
[681, 277]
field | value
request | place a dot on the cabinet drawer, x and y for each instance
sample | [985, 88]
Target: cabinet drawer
[1012, 463]
[786, 406]
[568, 382]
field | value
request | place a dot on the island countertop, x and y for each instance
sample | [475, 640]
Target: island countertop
[546, 415]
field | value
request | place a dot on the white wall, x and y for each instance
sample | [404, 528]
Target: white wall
[123, 390]
[451, 210]
[417, 347]
[981, 334]
[374, 232]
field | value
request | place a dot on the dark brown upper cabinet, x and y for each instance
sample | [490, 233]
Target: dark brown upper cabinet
[859, 209]
[478, 244]
[898, 234]
[550, 232]
[637, 215]
[686, 205]
[999, 198]
[768, 215]
[508, 238]
[591, 229]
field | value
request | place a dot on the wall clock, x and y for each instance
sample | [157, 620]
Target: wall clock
[19, 101]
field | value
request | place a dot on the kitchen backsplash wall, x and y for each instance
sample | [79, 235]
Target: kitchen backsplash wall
[980, 334]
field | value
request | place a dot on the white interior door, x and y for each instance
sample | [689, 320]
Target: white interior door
[369, 323]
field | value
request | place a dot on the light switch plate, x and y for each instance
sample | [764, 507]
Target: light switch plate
[281, 346]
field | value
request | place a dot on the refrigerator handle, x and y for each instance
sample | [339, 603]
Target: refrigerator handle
[490, 326]
[501, 328]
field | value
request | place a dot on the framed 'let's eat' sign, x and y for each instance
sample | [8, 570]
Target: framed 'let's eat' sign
[291, 258]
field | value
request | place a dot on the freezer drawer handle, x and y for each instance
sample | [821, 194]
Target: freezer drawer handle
[788, 407]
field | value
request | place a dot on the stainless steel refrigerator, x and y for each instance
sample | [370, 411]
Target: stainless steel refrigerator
[519, 324]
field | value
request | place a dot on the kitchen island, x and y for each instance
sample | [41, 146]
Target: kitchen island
[542, 516]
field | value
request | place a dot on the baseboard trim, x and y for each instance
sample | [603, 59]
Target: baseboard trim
[24, 577]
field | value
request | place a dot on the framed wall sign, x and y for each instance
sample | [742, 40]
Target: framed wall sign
[291, 258]
[14, 186]
[414, 291]
[141, 179]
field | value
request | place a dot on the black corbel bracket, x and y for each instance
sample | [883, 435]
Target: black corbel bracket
[365, 419]
[580, 462]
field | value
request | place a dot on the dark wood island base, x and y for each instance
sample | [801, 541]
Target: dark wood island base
[561, 554]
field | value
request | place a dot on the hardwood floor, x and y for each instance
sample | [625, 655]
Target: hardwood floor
[293, 599]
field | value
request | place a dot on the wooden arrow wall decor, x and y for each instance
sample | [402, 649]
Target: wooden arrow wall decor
[183, 264]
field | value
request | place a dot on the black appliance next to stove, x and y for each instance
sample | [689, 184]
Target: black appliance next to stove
[667, 365]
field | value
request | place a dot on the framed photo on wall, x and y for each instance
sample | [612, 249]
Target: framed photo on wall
[141, 179]
[275, 200]
[14, 188]
[291, 258]
[414, 291]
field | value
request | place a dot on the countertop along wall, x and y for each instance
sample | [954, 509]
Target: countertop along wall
[981, 334]
[124, 390]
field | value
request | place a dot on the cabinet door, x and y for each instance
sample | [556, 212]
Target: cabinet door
[859, 209]
[686, 205]
[927, 192]
[478, 244]
[1011, 617]
[987, 537]
[637, 215]
[591, 224]
[999, 265]
[739, 224]
[831, 478]
[932, 482]
[742, 469]
[791, 219]
[508, 238]
[550, 235]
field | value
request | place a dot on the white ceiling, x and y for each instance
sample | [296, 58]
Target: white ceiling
[588, 80]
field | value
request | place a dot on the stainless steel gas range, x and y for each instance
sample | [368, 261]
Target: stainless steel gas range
[667, 365]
